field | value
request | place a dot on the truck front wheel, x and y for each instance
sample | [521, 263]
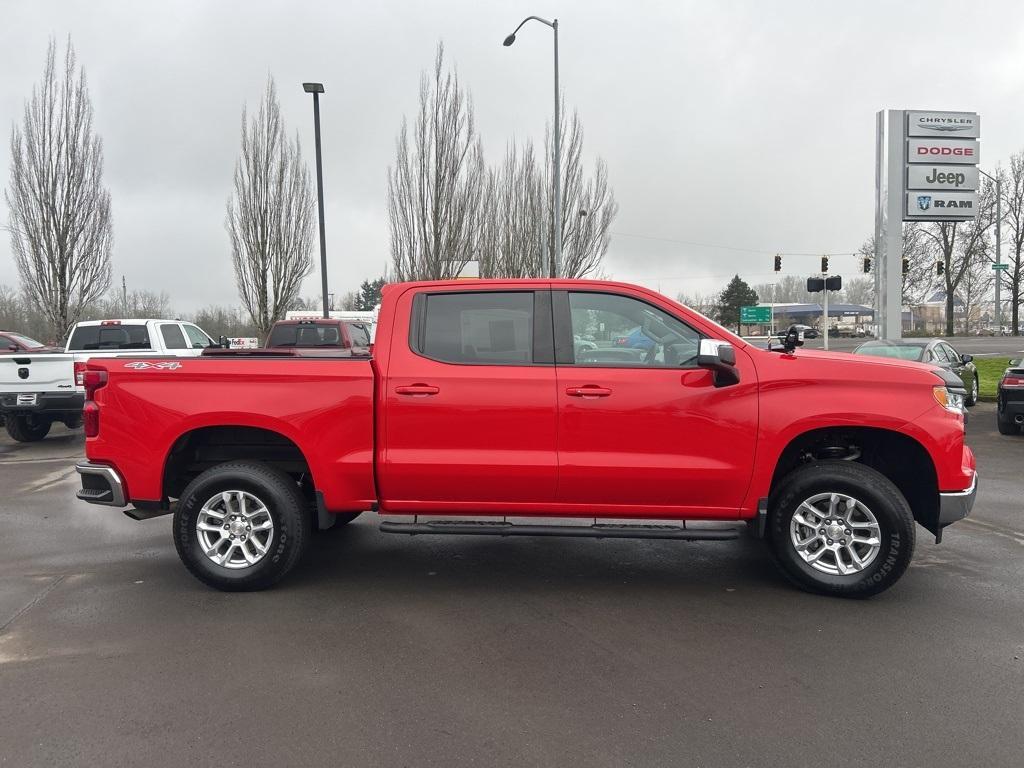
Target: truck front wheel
[241, 526]
[27, 427]
[840, 528]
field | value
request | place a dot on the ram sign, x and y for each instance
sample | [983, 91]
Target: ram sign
[939, 204]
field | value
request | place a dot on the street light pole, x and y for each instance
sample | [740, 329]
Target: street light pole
[316, 89]
[999, 250]
[556, 260]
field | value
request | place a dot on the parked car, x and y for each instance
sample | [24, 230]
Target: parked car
[319, 333]
[474, 412]
[635, 339]
[12, 342]
[808, 331]
[1010, 399]
[37, 390]
[934, 351]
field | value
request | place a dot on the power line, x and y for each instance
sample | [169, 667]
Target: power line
[729, 247]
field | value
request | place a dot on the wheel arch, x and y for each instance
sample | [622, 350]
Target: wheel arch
[901, 458]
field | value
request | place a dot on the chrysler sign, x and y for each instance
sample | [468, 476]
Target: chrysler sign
[961, 125]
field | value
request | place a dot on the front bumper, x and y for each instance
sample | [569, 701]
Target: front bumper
[957, 505]
[100, 485]
[44, 402]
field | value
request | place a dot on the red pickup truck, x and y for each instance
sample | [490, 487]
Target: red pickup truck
[505, 408]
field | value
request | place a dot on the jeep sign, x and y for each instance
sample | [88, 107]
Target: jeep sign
[941, 125]
[942, 151]
[938, 205]
[958, 177]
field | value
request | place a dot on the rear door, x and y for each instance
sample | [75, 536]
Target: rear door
[642, 431]
[469, 403]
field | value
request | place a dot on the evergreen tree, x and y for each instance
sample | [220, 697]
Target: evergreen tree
[736, 294]
[369, 294]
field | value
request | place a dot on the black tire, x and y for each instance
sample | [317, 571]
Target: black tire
[877, 493]
[1006, 424]
[283, 501]
[73, 422]
[972, 396]
[27, 427]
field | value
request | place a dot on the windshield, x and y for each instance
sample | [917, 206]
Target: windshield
[898, 351]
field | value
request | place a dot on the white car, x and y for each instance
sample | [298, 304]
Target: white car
[37, 390]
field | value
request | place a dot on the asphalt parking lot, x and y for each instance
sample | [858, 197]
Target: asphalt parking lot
[391, 651]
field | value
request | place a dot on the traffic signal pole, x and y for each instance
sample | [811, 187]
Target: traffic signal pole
[824, 323]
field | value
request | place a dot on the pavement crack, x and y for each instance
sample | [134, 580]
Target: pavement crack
[32, 603]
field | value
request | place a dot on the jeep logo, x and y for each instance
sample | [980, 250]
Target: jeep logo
[951, 178]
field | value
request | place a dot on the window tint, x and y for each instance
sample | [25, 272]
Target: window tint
[360, 333]
[173, 337]
[198, 339]
[305, 335]
[611, 330]
[108, 337]
[488, 328]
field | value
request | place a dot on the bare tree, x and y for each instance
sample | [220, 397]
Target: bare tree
[60, 223]
[1013, 215]
[435, 189]
[918, 279]
[270, 215]
[513, 236]
[705, 303]
[859, 290]
[588, 204]
[957, 245]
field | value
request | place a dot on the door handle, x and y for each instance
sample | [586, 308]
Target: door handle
[417, 389]
[589, 390]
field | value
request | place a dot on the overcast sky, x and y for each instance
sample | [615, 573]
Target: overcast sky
[741, 124]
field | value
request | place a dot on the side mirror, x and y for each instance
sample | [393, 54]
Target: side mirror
[965, 359]
[223, 342]
[12, 348]
[720, 358]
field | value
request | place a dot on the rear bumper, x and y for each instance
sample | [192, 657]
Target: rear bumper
[100, 485]
[957, 505]
[45, 402]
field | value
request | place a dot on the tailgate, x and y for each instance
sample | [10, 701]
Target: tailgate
[37, 373]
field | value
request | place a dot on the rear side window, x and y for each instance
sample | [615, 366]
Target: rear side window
[488, 328]
[109, 337]
[173, 337]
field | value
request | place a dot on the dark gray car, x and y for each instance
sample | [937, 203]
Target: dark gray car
[934, 351]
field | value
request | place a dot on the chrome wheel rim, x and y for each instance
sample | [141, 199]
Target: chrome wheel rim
[835, 534]
[235, 529]
[974, 391]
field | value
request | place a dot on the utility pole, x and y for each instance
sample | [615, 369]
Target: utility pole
[124, 297]
[999, 249]
[316, 89]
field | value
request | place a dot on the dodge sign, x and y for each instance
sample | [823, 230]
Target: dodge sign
[942, 151]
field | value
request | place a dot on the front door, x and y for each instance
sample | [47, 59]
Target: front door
[469, 404]
[643, 432]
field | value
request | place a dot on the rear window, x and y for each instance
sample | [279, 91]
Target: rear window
[105, 337]
[898, 351]
[488, 328]
[305, 335]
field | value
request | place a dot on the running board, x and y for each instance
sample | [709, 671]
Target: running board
[598, 531]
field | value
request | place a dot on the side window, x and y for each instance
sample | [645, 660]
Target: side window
[360, 333]
[951, 354]
[940, 354]
[486, 328]
[198, 339]
[172, 336]
[610, 330]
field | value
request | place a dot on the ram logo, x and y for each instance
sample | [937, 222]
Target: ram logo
[924, 202]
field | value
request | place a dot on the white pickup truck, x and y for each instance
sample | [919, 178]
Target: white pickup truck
[38, 389]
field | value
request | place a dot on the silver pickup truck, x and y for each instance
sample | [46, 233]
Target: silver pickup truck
[37, 390]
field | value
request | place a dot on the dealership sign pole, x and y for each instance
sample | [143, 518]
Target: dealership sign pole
[926, 170]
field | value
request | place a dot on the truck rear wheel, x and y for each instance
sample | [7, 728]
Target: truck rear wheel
[840, 528]
[241, 526]
[27, 427]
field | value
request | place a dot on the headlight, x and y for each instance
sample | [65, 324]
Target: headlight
[951, 401]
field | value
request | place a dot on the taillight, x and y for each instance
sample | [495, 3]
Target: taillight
[91, 419]
[93, 380]
[80, 374]
[1011, 382]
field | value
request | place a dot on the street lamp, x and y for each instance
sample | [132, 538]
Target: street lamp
[999, 258]
[556, 262]
[316, 89]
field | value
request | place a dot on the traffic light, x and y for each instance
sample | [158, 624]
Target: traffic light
[778, 263]
[940, 267]
[824, 264]
[906, 266]
[867, 265]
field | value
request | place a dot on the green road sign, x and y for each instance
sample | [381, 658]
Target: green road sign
[755, 314]
[1003, 267]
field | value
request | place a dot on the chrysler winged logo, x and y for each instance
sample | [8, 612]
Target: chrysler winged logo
[947, 128]
[924, 202]
[144, 366]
